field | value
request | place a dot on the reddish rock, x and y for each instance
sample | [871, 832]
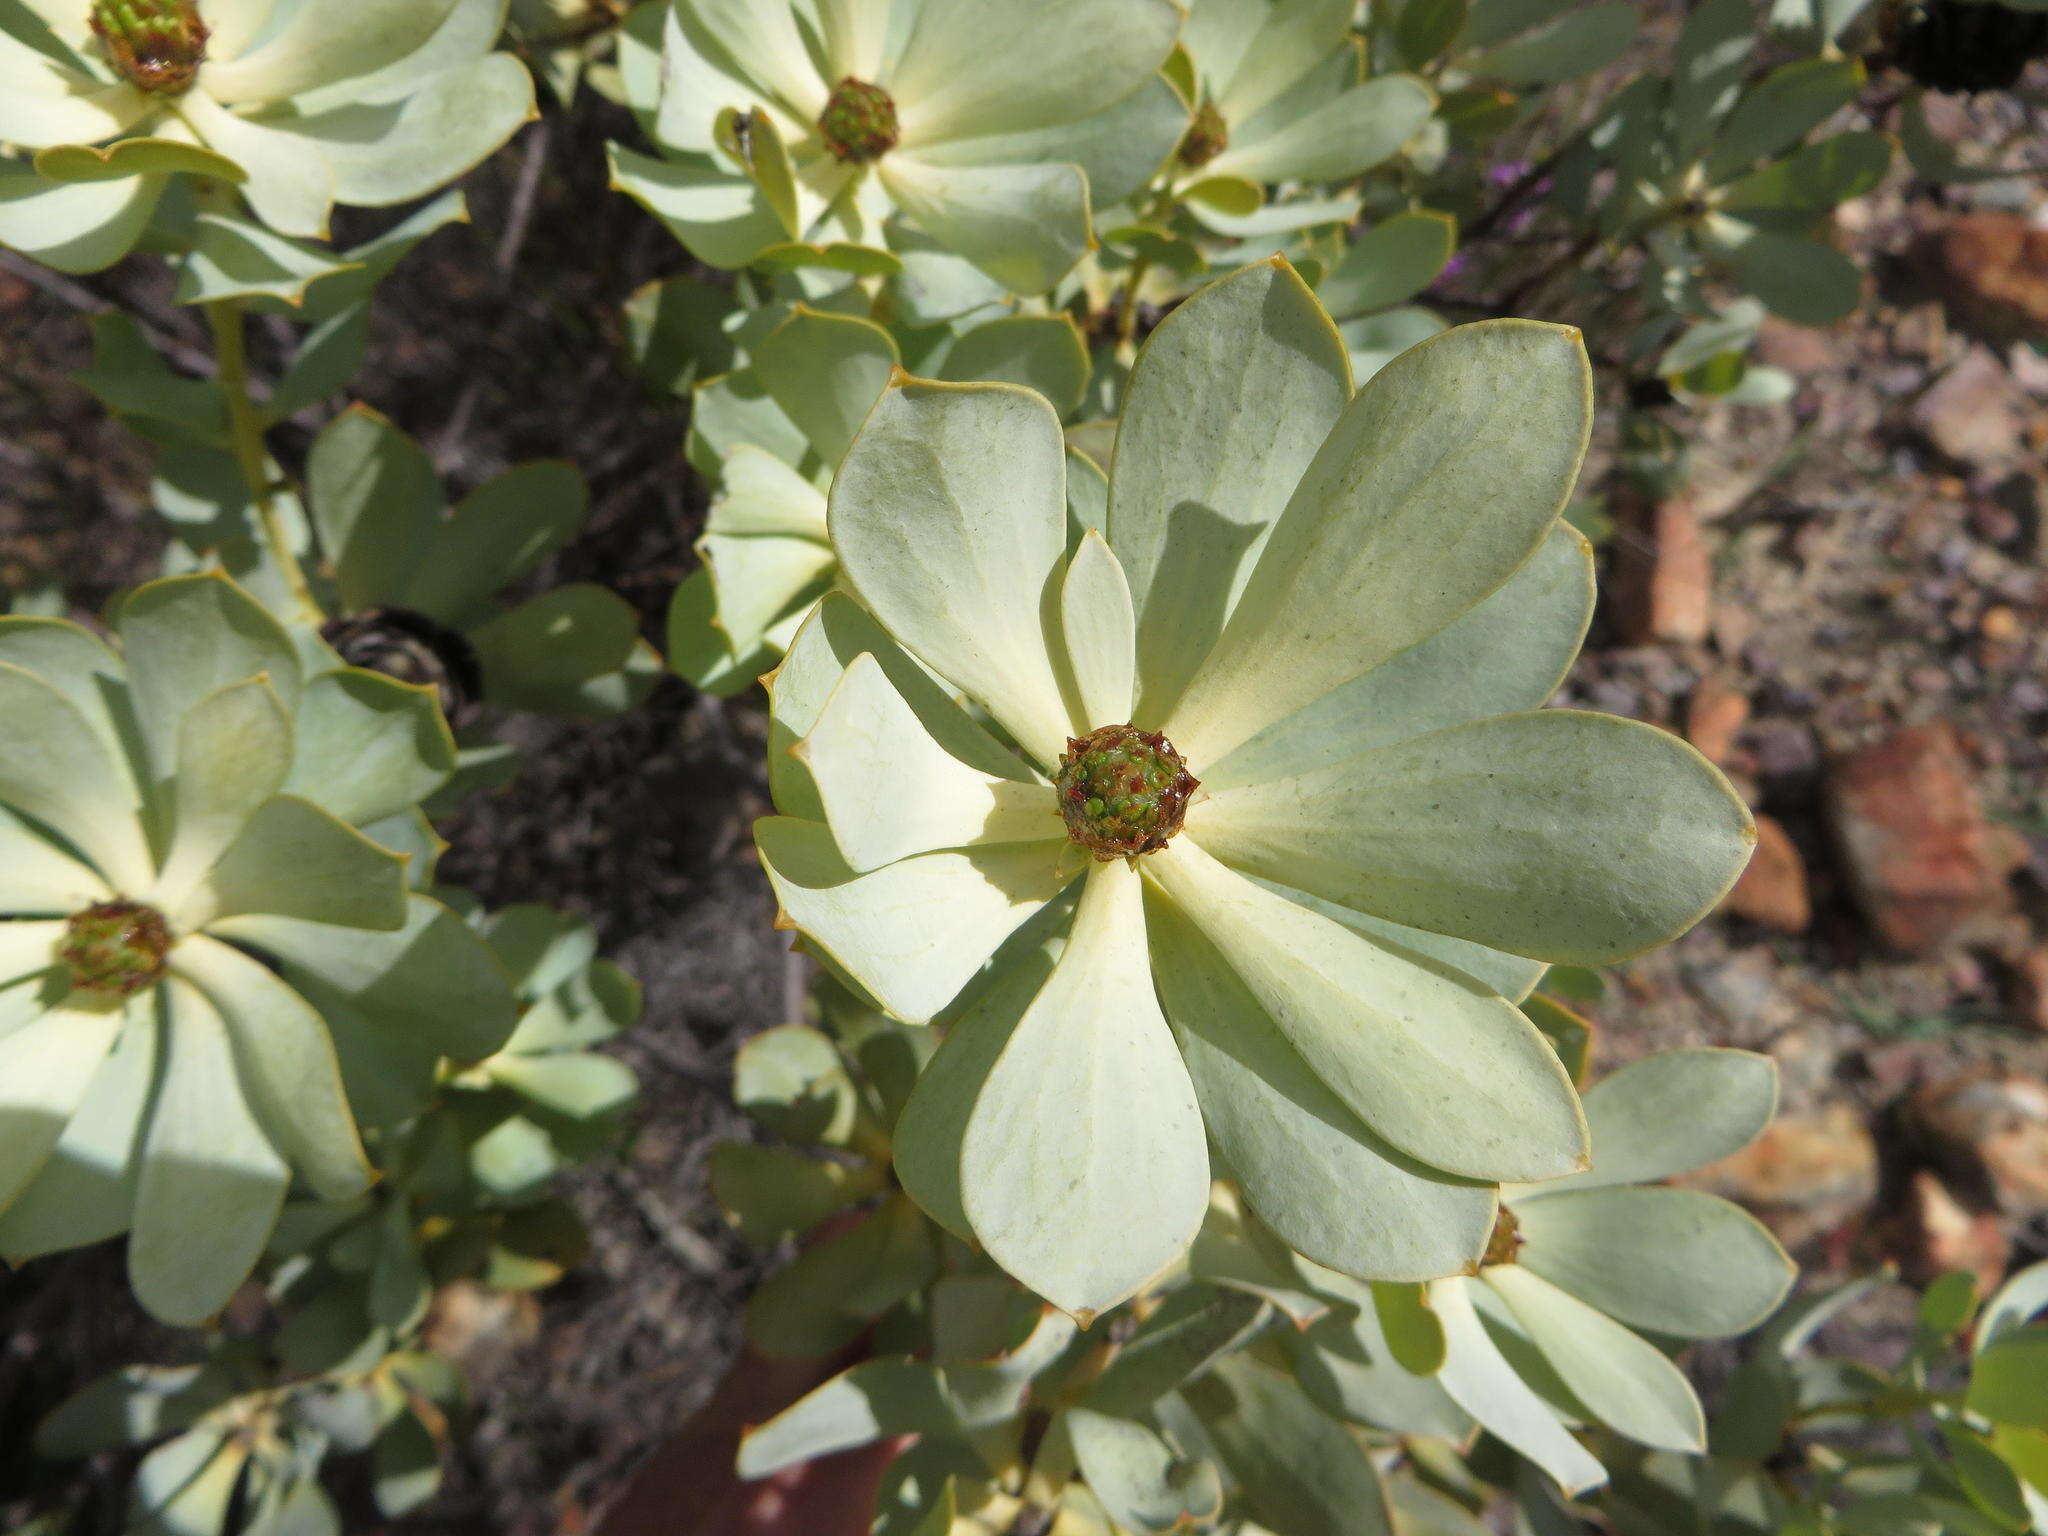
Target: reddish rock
[1663, 571]
[1772, 890]
[1988, 1132]
[2028, 987]
[1805, 1176]
[1714, 715]
[1938, 1234]
[1924, 864]
[1992, 271]
[1975, 414]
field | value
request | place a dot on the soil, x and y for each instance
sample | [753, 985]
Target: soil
[1854, 566]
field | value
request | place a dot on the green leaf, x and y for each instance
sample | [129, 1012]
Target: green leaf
[236, 258]
[493, 537]
[1555, 834]
[1948, 1303]
[794, 1083]
[1779, 110]
[826, 371]
[2012, 1304]
[1992, 1486]
[1426, 28]
[2005, 1382]
[1510, 652]
[323, 365]
[770, 1194]
[235, 747]
[131, 1406]
[1192, 1328]
[1189, 505]
[1415, 1338]
[375, 501]
[1391, 262]
[1376, 340]
[1345, 1363]
[286, 1062]
[1335, 140]
[1040, 352]
[1628, 1383]
[868, 744]
[130, 378]
[56, 767]
[1801, 280]
[676, 334]
[49, 1058]
[1676, 1111]
[1449, 1074]
[1084, 1170]
[75, 226]
[1581, 42]
[1675, 1261]
[1330, 1187]
[1142, 1482]
[134, 157]
[1299, 1470]
[1569, 1034]
[212, 1183]
[1024, 225]
[836, 1287]
[294, 860]
[369, 746]
[1482, 1382]
[1715, 49]
[573, 651]
[433, 982]
[1454, 460]
[949, 515]
[577, 1084]
[405, 1467]
[1817, 179]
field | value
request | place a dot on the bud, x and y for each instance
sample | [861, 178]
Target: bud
[1207, 137]
[116, 949]
[859, 122]
[1122, 791]
[155, 45]
[1506, 1241]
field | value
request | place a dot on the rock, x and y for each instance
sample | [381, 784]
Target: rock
[1975, 414]
[1937, 1234]
[1925, 865]
[1992, 271]
[1805, 1176]
[1772, 891]
[1801, 350]
[1663, 571]
[1987, 1132]
[1714, 715]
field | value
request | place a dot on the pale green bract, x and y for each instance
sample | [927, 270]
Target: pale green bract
[1345, 613]
[298, 106]
[243, 791]
[1010, 121]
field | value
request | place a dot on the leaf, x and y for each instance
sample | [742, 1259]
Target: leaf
[1301, 1472]
[1554, 834]
[573, 651]
[1194, 1327]
[1189, 508]
[1097, 625]
[375, 501]
[949, 515]
[1084, 1170]
[1581, 42]
[494, 536]
[1674, 1261]
[1815, 180]
[50, 1057]
[368, 745]
[1426, 28]
[1041, 352]
[1781, 109]
[1415, 1338]
[794, 1083]
[770, 1194]
[1676, 1111]
[1451, 1075]
[1482, 1382]
[1801, 280]
[405, 1467]
[294, 860]
[1394, 260]
[1455, 460]
[1141, 1481]
[2022, 1295]
[56, 767]
[826, 371]
[134, 157]
[236, 258]
[2005, 1381]
[1024, 225]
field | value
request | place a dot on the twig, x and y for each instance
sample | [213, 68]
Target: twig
[525, 196]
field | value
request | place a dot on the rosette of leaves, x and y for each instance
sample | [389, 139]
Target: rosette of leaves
[1266, 829]
[412, 583]
[1281, 97]
[771, 434]
[200, 912]
[829, 1101]
[295, 107]
[235, 1445]
[845, 133]
[1544, 1335]
[1718, 175]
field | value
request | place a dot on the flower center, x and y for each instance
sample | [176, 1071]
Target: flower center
[1506, 1241]
[155, 45]
[859, 122]
[116, 948]
[1122, 791]
[1207, 137]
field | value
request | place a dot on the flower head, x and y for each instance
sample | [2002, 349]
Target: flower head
[197, 935]
[1344, 614]
[375, 102]
[984, 131]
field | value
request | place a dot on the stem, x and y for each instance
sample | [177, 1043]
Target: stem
[245, 430]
